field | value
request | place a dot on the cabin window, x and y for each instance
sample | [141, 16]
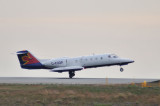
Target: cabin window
[101, 58]
[109, 56]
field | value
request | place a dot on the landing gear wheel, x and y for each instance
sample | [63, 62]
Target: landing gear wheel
[71, 74]
[121, 69]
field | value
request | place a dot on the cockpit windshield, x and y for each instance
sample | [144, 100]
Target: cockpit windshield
[112, 56]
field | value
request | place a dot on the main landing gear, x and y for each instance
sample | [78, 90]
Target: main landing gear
[71, 74]
[121, 69]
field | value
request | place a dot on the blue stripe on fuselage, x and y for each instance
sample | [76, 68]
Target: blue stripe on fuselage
[34, 66]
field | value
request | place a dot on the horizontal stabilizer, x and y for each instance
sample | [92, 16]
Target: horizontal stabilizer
[71, 68]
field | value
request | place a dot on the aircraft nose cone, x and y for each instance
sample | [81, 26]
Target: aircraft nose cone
[131, 61]
[126, 61]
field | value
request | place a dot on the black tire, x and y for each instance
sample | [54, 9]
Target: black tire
[71, 74]
[121, 69]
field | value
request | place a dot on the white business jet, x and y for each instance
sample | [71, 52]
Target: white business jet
[70, 65]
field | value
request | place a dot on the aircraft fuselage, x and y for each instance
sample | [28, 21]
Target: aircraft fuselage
[66, 64]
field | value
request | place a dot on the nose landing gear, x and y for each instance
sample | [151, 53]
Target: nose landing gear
[121, 69]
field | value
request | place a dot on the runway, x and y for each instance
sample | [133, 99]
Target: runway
[45, 80]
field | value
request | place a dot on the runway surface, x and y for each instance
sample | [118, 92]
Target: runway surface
[42, 80]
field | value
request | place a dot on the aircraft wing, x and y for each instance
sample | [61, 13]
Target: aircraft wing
[71, 68]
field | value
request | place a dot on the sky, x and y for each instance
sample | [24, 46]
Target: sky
[70, 28]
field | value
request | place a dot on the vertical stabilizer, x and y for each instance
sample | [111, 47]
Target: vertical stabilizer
[28, 61]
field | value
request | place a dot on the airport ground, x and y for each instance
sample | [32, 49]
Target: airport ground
[79, 95]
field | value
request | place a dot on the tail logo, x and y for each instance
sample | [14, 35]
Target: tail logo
[29, 59]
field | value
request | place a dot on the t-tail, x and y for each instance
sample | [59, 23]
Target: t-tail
[28, 61]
